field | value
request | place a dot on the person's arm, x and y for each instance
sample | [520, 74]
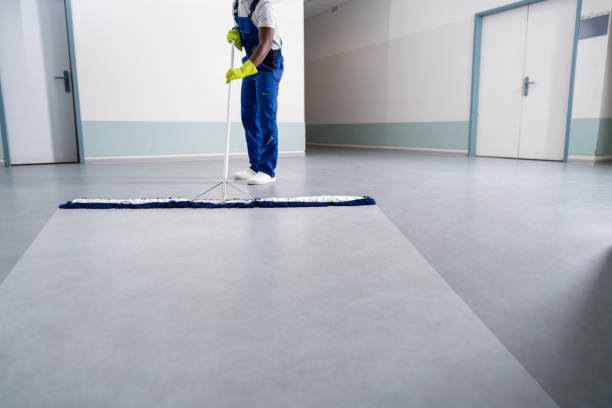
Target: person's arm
[266, 37]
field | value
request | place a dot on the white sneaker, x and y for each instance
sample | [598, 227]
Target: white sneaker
[261, 178]
[244, 174]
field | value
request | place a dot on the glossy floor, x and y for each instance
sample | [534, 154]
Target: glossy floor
[526, 245]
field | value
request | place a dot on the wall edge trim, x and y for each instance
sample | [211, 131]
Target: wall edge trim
[581, 157]
[374, 147]
[420, 122]
[179, 157]
[589, 158]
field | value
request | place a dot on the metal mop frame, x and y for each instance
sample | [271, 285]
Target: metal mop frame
[224, 183]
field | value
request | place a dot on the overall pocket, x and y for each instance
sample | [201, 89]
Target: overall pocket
[270, 92]
[278, 72]
[244, 25]
[272, 60]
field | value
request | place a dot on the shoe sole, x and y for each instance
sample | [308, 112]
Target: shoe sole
[242, 178]
[253, 183]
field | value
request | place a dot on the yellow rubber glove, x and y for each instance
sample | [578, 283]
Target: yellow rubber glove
[233, 35]
[245, 70]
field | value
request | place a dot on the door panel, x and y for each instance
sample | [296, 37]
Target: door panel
[501, 73]
[550, 43]
[57, 61]
[39, 112]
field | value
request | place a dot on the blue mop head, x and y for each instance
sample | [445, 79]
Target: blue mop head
[321, 201]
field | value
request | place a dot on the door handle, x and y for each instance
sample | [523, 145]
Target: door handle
[526, 84]
[66, 79]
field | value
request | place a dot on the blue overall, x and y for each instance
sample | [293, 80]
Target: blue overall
[260, 98]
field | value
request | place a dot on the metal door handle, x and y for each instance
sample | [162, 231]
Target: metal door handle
[526, 84]
[66, 79]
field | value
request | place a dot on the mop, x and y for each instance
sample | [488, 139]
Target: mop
[223, 202]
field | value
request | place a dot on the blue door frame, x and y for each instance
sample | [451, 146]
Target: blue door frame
[5, 146]
[476, 70]
[75, 95]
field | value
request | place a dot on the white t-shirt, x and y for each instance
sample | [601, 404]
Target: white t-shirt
[263, 16]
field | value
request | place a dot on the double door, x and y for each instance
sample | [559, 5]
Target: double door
[525, 74]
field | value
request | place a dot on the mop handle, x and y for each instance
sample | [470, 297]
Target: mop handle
[228, 128]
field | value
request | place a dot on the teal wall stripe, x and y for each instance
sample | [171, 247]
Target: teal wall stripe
[604, 144]
[103, 139]
[428, 135]
[584, 135]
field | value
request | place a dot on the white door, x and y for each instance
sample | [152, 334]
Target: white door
[531, 44]
[501, 76]
[36, 80]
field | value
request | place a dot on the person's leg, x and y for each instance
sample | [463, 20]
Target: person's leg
[250, 120]
[267, 102]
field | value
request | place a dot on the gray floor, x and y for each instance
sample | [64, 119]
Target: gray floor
[526, 245]
[257, 308]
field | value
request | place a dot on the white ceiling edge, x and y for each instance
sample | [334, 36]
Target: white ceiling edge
[314, 8]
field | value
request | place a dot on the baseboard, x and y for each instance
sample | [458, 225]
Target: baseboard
[581, 157]
[177, 157]
[576, 157]
[589, 158]
[416, 149]
[601, 159]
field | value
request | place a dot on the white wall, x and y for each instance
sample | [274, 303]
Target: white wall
[590, 70]
[606, 105]
[591, 67]
[404, 61]
[161, 60]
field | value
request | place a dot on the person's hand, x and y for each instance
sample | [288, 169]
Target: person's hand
[233, 35]
[245, 70]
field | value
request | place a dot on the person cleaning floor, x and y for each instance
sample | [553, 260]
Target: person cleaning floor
[256, 31]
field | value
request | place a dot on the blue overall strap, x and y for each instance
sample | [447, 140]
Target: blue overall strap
[253, 7]
[251, 11]
[236, 10]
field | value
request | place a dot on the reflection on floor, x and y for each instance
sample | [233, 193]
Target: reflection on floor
[526, 245]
